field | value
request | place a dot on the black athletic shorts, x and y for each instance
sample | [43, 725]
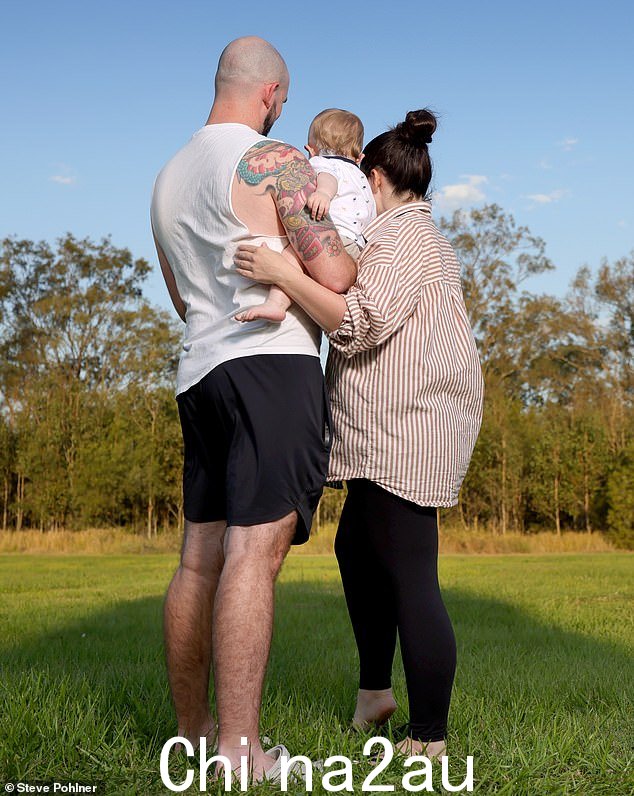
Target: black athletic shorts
[257, 441]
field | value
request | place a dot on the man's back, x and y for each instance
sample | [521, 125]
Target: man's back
[255, 428]
[204, 204]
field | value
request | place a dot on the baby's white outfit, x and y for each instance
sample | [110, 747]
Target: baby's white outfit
[352, 209]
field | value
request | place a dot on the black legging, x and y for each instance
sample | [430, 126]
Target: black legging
[387, 549]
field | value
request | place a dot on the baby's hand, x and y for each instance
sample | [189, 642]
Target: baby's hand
[319, 204]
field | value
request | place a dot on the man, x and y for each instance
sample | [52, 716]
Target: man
[251, 397]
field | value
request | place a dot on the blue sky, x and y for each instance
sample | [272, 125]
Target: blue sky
[534, 99]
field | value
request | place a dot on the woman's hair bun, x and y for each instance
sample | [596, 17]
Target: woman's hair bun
[418, 127]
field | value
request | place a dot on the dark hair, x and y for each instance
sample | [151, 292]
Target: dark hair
[402, 154]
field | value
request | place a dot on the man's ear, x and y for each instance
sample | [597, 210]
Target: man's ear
[268, 93]
[374, 178]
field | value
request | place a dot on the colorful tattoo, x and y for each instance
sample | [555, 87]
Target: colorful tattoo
[259, 163]
[291, 180]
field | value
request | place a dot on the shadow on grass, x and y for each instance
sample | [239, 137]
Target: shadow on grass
[90, 699]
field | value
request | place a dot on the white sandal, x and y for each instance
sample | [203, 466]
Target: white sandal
[274, 774]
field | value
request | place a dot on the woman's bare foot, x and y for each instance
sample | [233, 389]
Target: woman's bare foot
[373, 708]
[269, 311]
[432, 749]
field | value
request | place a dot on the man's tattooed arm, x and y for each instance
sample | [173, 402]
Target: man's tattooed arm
[284, 172]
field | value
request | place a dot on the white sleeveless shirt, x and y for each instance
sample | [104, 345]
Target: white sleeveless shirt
[195, 225]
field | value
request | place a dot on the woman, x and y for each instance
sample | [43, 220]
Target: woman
[406, 393]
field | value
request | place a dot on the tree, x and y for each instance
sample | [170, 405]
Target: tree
[76, 334]
[7, 466]
[497, 257]
[89, 431]
[614, 290]
[621, 498]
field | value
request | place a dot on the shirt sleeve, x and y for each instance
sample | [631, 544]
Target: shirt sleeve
[330, 166]
[385, 295]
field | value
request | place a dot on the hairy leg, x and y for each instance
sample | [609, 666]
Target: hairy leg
[242, 629]
[187, 616]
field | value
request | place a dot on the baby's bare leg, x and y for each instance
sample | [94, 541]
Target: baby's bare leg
[275, 306]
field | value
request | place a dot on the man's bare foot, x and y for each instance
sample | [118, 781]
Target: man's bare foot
[211, 736]
[373, 708]
[259, 762]
[432, 749]
[269, 311]
[258, 772]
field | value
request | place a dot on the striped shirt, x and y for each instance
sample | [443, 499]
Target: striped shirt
[403, 371]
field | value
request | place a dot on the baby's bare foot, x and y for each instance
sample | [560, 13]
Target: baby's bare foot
[373, 709]
[269, 311]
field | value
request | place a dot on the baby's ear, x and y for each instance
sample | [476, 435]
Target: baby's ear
[311, 152]
[360, 158]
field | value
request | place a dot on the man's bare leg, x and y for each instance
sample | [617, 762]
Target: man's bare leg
[187, 619]
[242, 629]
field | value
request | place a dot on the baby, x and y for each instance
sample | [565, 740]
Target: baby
[335, 144]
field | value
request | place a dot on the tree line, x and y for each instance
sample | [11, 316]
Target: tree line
[89, 431]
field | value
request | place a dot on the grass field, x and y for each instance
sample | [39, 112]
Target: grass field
[542, 697]
[452, 539]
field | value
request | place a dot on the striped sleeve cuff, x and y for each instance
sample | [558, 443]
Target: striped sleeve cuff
[343, 337]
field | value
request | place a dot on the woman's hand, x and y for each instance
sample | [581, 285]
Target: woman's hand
[261, 264]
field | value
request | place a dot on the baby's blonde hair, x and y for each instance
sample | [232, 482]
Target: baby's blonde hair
[337, 132]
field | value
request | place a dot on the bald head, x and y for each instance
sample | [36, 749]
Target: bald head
[250, 61]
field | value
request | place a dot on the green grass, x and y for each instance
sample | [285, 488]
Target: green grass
[542, 697]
